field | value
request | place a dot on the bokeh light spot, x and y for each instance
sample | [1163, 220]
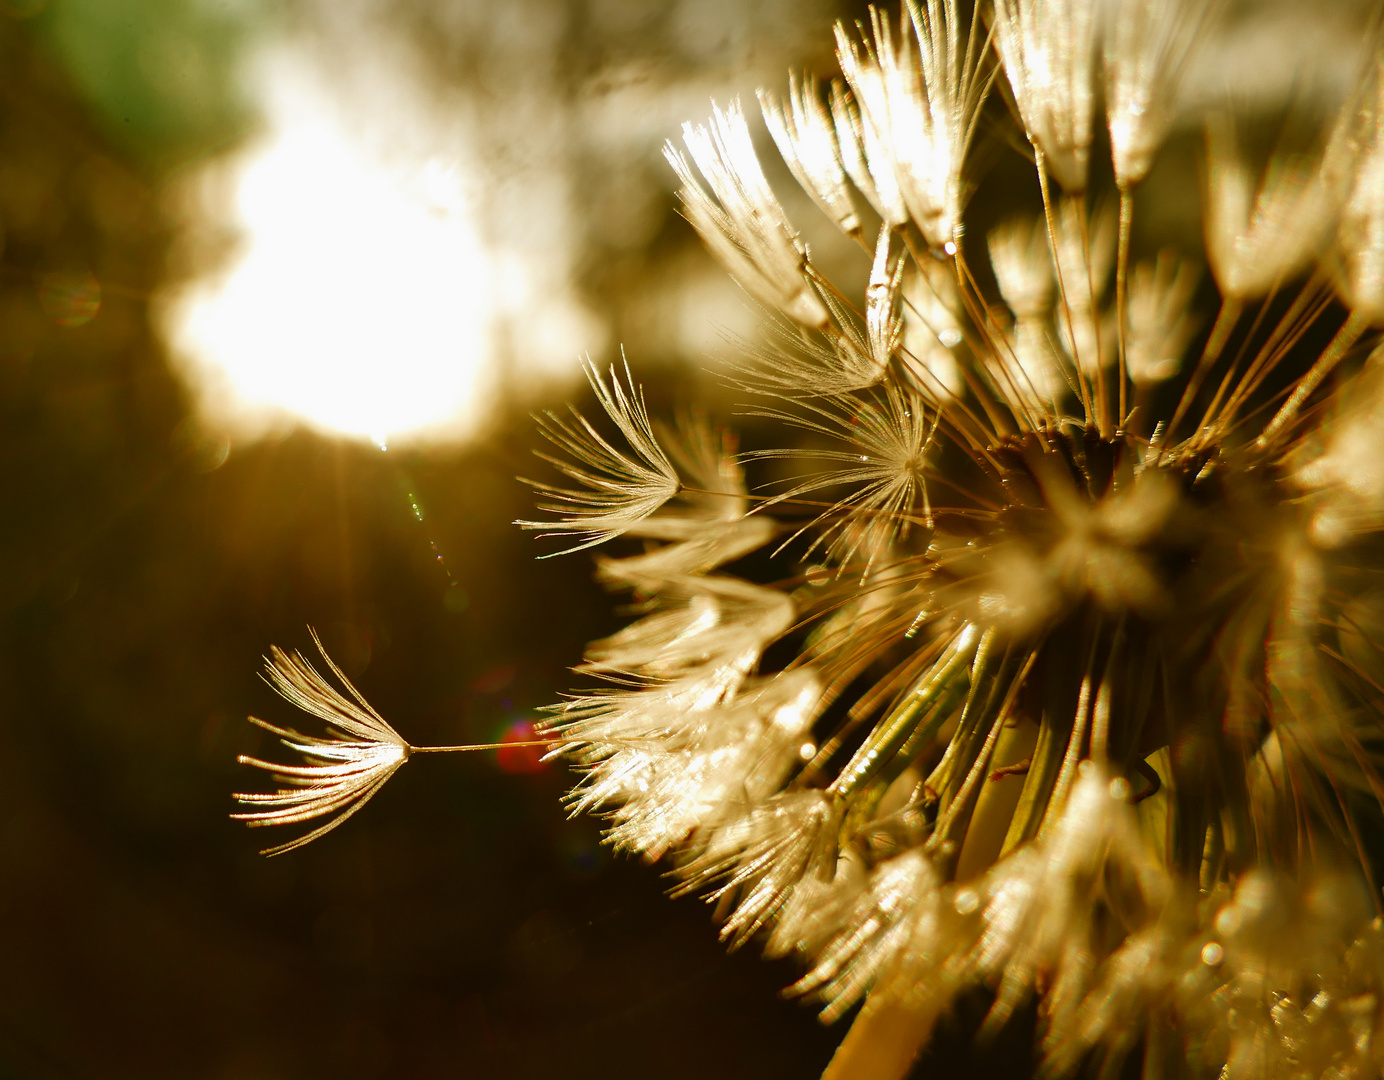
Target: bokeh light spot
[520, 760]
[205, 451]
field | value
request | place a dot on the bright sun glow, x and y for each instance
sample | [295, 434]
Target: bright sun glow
[359, 298]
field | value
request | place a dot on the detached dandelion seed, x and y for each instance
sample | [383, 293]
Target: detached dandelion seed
[344, 769]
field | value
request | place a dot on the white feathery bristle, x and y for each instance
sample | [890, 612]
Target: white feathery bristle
[864, 160]
[1347, 474]
[618, 488]
[1048, 48]
[917, 106]
[1084, 255]
[816, 909]
[1022, 260]
[742, 757]
[1361, 235]
[342, 772]
[744, 225]
[806, 137]
[699, 549]
[1029, 370]
[759, 857]
[1260, 235]
[1147, 46]
[889, 433]
[697, 621]
[898, 912]
[1159, 317]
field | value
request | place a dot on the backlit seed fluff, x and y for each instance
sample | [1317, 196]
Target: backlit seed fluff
[1046, 677]
[1161, 317]
[1264, 230]
[344, 769]
[1361, 235]
[744, 225]
[918, 92]
[1147, 47]
[1081, 666]
[803, 131]
[1048, 48]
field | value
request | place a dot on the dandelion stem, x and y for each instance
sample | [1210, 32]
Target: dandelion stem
[1102, 395]
[1355, 325]
[1051, 223]
[1076, 743]
[1290, 327]
[517, 743]
[1305, 320]
[1122, 294]
[1226, 319]
[956, 823]
[883, 1040]
[980, 315]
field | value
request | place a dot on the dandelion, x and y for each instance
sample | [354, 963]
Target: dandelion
[1160, 318]
[1082, 667]
[619, 489]
[806, 138]
[1069, 688]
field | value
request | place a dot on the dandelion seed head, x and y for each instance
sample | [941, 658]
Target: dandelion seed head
[1067, 685]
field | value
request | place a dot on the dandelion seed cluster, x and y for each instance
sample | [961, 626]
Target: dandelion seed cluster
[1078, 695]
[1076, 678]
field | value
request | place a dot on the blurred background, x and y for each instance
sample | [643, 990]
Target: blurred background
[246, 245]
[280, 286]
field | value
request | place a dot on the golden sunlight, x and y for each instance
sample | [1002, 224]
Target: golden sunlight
[358, 296]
